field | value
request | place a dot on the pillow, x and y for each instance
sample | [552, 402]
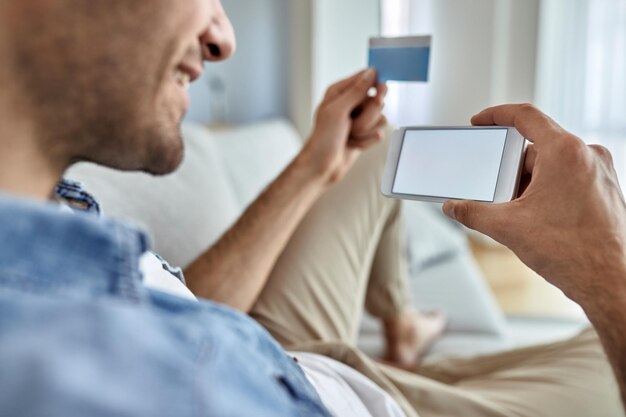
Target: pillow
[255, 155]
[430, 236]
[444, 274]
[198, 196]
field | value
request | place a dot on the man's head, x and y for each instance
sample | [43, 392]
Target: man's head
[105, 80]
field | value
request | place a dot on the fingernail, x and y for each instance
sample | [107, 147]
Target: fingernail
[369, 74]
[448, 209]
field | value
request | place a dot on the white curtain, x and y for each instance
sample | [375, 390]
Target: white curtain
[484, 53]
[407, 104]
[582, 70]
[580, 63]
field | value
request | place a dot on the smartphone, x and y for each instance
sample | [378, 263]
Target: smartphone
[437, 164]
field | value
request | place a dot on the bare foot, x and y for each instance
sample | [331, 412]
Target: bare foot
[409, 335]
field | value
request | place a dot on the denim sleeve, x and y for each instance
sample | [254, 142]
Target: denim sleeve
[63, 357]
[82, 336]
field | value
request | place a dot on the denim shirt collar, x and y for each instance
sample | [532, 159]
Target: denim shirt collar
[74, 195]
[49, 251]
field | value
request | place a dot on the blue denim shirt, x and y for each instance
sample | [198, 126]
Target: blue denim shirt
[81, 336]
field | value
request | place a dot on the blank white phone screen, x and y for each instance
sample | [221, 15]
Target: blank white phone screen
[459, 164]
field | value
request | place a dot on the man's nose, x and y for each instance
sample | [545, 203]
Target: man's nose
[218, 40]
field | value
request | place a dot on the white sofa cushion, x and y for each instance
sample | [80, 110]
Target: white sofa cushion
[186, 212]
[255, 155]
[430, 236]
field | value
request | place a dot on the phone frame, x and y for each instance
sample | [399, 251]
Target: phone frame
[508, 177]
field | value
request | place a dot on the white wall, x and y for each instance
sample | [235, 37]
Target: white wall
[256, 78]
[332, 40]
[516, 37]
[289, 52]
[301, 100]
[341, 33]
[483, 53]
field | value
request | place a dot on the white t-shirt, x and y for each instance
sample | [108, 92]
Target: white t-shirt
[344, 391]
[157, 278]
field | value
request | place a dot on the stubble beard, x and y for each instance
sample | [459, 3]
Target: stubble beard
[98, 100]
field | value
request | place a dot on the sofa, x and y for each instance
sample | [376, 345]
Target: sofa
[226, 168]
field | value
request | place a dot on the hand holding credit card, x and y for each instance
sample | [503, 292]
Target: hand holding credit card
[401, 59]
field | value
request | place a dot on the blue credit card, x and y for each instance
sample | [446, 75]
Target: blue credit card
[401, 59]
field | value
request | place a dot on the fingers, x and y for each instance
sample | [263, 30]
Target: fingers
[379, 98]
[603, 153]
[371, 113]
[368, 128]
[381, 91]
[490, 219]
[356, 92]
[606, 161]
[340, 87]
[530, 121]
[379, 124]
[372, 137]
[366, 141]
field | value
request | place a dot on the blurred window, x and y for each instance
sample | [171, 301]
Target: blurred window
[581, 75]
[581, 70]
[407, 104]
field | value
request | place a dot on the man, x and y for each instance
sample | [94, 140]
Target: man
[569, 224]
[83, 335]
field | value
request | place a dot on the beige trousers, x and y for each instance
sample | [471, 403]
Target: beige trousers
[348, 253]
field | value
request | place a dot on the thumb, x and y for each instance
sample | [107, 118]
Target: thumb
[482, 217]
[357, 92]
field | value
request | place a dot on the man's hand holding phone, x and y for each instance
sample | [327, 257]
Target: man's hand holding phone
[569, 223]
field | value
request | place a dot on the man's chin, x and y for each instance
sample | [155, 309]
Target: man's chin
[159, 159]
[163, 169]
[165, 162]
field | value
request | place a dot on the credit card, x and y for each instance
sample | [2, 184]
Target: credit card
[401, 59]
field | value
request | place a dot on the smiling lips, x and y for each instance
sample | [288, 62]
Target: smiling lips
[184, 75]
[187, 72]
[183, 79]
